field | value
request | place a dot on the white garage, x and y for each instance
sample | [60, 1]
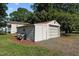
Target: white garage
[40, 31]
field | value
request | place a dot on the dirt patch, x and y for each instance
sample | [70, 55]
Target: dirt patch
[22, 42]
[68, 45]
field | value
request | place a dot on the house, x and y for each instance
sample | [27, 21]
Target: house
[12, 26]
[4, 29]
[40, 31]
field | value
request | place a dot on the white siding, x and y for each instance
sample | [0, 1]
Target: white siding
[53, 32]
[41, 32]
[45, 33]
[14, 28]
[38, 32]
[58, 31]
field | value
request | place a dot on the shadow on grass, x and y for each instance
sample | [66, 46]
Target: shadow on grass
[63, 34]
[70, 34]
[75, 32]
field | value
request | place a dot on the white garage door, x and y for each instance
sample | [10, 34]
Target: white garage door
[53, 31]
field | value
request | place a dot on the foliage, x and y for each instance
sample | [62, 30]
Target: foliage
[3, 9]
[3, 14]
[66, 14]
[20, 15]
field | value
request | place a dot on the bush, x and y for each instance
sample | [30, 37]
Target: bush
[2, 33]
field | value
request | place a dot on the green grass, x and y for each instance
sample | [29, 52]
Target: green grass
[73, 36]
[7, 48]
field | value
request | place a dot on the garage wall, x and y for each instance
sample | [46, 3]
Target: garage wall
[29, 31]
[53, 32]
[58, 31]
[45, 32]
[40, 32]
[20, 30]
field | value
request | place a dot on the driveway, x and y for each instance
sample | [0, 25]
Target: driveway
[69, 45]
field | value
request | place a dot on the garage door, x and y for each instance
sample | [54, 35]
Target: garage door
[53, 31]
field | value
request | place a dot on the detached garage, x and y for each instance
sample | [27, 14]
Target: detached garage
[40, 31]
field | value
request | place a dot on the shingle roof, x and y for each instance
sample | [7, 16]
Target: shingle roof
[15, 22]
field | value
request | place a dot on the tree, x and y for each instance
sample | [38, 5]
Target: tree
[3, 9]
[19, 15]
[41, 11]
[64, 13]
[32, 18]
[3, 14]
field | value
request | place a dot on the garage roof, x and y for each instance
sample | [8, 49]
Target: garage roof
[52, 23]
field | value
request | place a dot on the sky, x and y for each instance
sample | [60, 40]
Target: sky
[14, 6]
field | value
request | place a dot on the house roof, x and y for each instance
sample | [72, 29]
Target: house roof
[29, 25]
[15, 22]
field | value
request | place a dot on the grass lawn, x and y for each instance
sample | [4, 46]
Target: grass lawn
[7, 48]
[65, 45]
